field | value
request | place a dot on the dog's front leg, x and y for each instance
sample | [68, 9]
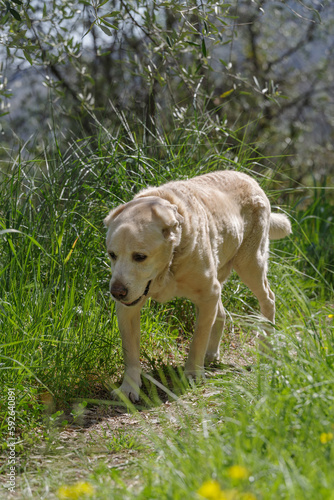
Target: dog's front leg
[129, 326]
[207, 311]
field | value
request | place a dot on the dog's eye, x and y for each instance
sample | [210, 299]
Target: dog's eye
[112, 255]
[139, 257]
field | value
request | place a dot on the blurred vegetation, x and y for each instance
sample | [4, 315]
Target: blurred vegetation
[259, 69]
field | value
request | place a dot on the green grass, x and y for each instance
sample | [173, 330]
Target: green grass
[60, 343]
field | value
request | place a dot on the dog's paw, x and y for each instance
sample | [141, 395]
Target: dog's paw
[264, 342]
[212, 357]
[128, 390]
[194, 374]
[126, 393]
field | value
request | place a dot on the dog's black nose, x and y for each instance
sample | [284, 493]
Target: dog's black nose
[118, 290]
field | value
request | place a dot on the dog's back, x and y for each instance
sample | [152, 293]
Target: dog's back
[226, 190]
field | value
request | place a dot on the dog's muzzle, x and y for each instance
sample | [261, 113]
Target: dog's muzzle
[137, 300]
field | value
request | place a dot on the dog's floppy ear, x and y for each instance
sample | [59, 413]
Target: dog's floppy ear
[113, 214]
[171, 221]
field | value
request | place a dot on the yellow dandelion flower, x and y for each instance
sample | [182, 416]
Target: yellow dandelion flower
[326, 437]
[75, 491]
[238, 472]
[211, 491]
[247, 496]
[330, 316]
[231, 495]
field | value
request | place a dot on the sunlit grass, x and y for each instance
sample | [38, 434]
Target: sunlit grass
[271, 416]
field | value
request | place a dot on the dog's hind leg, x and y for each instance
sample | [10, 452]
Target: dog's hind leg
[207, 312]
[212, 353]
[253, 272]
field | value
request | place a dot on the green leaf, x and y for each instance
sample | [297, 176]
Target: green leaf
[224, 63]
[203, 48]
[317, 15]
[188, 42]
[111, 14]
[107, 23]
[4, 18]
[102, 3]
[89, 29]
[105, 30]
[15, 14]
[27, 56]
[27, 19]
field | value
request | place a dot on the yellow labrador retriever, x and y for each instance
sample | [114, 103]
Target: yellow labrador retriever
[181, 240]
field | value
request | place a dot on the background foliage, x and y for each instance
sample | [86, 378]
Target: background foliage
[261, 68]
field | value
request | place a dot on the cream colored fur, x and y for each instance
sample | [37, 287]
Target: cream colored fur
[182, 239]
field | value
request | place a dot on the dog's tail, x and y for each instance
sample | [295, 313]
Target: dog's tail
[280, 226]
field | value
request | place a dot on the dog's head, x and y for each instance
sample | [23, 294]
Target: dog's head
[141, 239]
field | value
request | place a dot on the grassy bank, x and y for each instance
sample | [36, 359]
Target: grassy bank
[265, 431]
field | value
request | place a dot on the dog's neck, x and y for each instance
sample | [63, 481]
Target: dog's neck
[167, 273]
